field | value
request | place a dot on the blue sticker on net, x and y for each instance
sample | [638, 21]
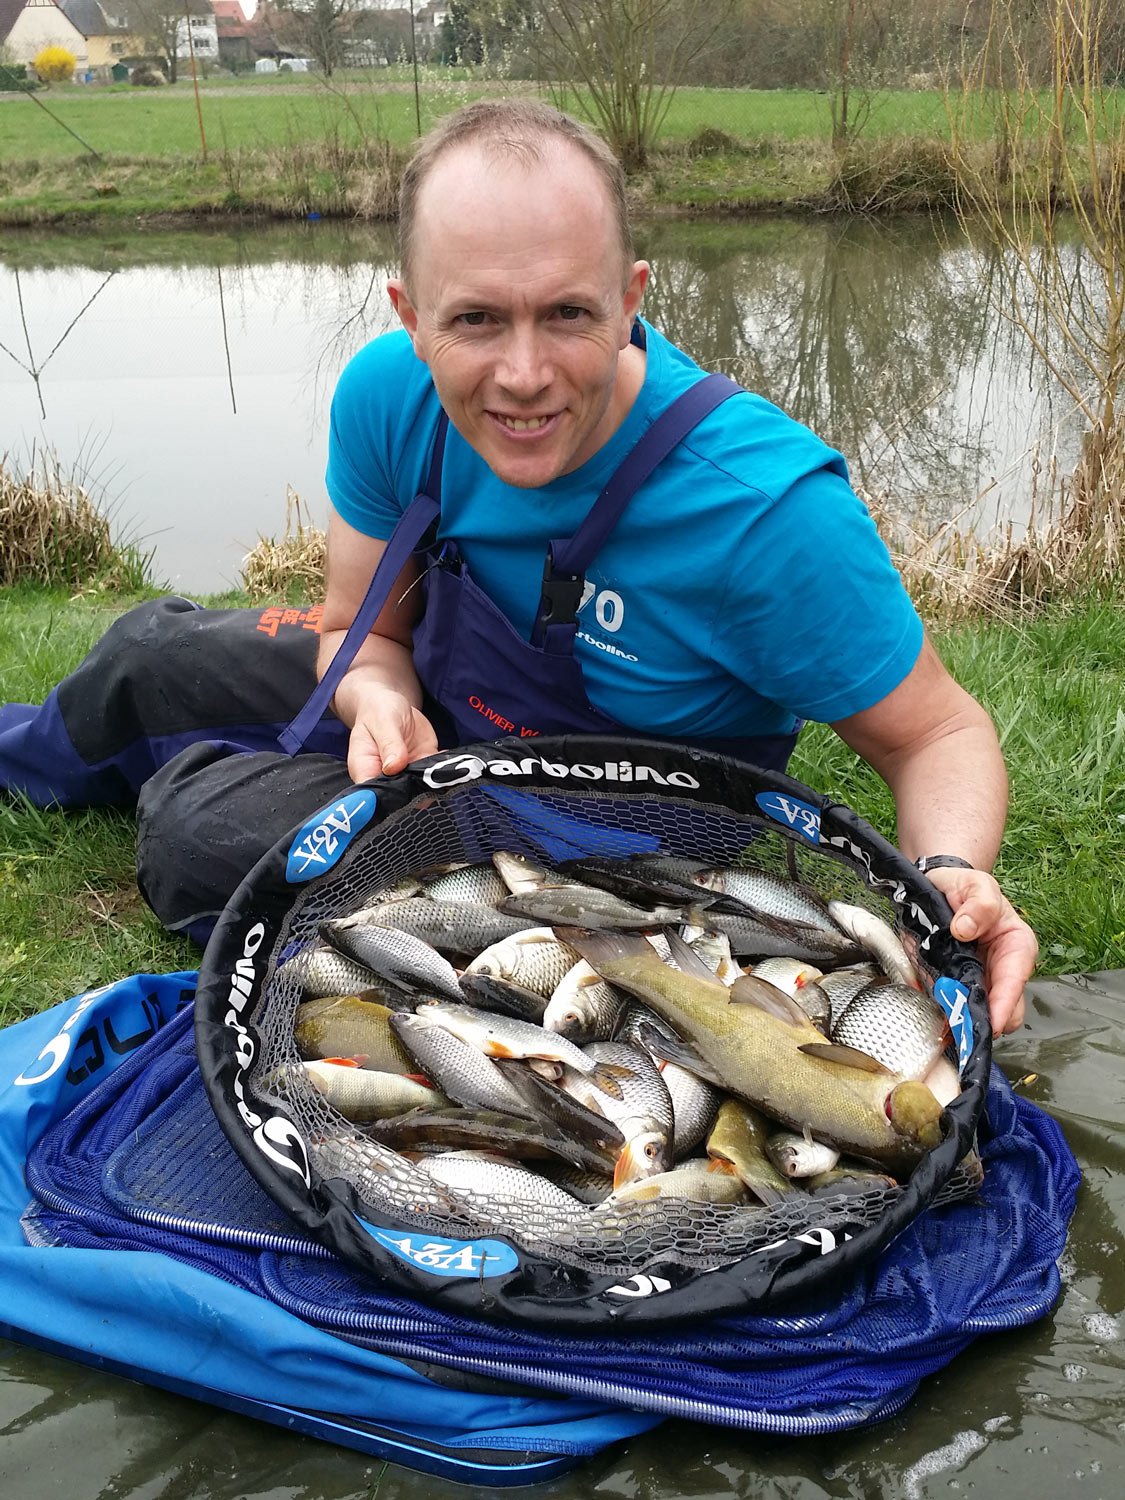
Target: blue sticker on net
[447, 1257]
[327, 834]
[800, 816]
[953, 997]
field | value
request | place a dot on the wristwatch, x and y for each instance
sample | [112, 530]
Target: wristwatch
[927, 862]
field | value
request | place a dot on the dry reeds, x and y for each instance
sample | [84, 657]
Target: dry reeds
[888, 176]
[1074, 542]
[275, 569]
[52, 534]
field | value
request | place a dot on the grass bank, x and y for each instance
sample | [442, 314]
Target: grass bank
[335, 147]
[70, 916]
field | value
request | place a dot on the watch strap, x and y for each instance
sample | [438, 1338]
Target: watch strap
[927, 862]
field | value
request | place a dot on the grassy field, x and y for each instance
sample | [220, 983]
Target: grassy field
[300, 144]
[163, 122]
[70, 915]
[276, 110]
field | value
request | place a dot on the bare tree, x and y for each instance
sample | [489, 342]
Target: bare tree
[320, 29]
[619, 62]
[159, 23]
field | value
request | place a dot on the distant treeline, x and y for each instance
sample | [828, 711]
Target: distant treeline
[798, 43]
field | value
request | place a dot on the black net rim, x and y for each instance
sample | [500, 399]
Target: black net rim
[236, 968]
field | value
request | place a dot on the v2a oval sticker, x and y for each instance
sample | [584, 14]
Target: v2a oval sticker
[800, 816]
[324, 838]
[447, 1257]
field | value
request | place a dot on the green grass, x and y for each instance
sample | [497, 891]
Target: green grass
[70, 916]
[163, 122]
[261, 112]
[1055, 687]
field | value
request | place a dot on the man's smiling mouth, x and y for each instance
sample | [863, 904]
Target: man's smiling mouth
[522, 424]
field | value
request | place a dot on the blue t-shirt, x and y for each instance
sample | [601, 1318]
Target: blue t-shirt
[744, 587]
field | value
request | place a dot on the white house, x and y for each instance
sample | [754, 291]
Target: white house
[27, 26]
[204, 40]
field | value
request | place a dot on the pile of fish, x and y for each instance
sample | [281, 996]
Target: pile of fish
[652, 1029]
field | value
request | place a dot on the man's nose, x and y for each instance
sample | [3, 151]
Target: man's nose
[524, 367]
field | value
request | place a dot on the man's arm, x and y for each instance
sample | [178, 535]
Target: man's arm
[379, 695]
[937, 750]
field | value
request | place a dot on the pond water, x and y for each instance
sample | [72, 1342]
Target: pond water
[188, 378]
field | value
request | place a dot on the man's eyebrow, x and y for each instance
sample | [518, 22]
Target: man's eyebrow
[466, 302]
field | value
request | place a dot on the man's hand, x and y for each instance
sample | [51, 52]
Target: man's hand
[1008, 947]
[387, 735]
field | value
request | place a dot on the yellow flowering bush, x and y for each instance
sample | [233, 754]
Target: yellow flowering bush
[55, 64]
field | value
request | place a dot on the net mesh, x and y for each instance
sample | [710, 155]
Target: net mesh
[468, 823]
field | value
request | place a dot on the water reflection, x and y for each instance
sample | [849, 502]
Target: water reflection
[191, 375]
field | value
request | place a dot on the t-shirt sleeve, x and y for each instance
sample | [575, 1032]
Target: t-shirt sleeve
[368, 433]
[815, 615]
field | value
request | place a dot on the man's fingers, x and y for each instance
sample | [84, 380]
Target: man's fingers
[364, 759]
[1008, 947]
[385, 744]
[1009, 962]
[979, 905]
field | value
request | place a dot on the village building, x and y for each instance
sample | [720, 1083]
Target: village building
[233, 35]
[122, 33]
[27, 26]
[113, 32]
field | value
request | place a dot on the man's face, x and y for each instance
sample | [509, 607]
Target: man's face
[520, 303]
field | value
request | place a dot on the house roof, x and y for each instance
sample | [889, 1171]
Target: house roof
[9, 15]
[103, 17]
[230, 19]
[87, 15]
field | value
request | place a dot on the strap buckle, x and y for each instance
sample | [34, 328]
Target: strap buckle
[561, 597]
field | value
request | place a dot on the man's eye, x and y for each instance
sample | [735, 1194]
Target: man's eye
[569, 313]
[473, 319]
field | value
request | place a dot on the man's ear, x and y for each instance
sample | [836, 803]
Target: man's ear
[634, 292]
[400, 301]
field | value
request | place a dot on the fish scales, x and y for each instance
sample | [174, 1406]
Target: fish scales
[439, 1130]
[465, 1074]
[903, 1028]
[454, 928]
[479, 885]
[477, 1177]
[403, 959]
[361, 1095]
[323, 973]
[643, 1112]
[535, 958]
[504, 1036]
[583, 1007]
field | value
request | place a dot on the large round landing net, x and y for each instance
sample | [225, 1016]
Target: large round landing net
[633, 1264]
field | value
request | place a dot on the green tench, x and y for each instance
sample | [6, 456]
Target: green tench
[753, 1036]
